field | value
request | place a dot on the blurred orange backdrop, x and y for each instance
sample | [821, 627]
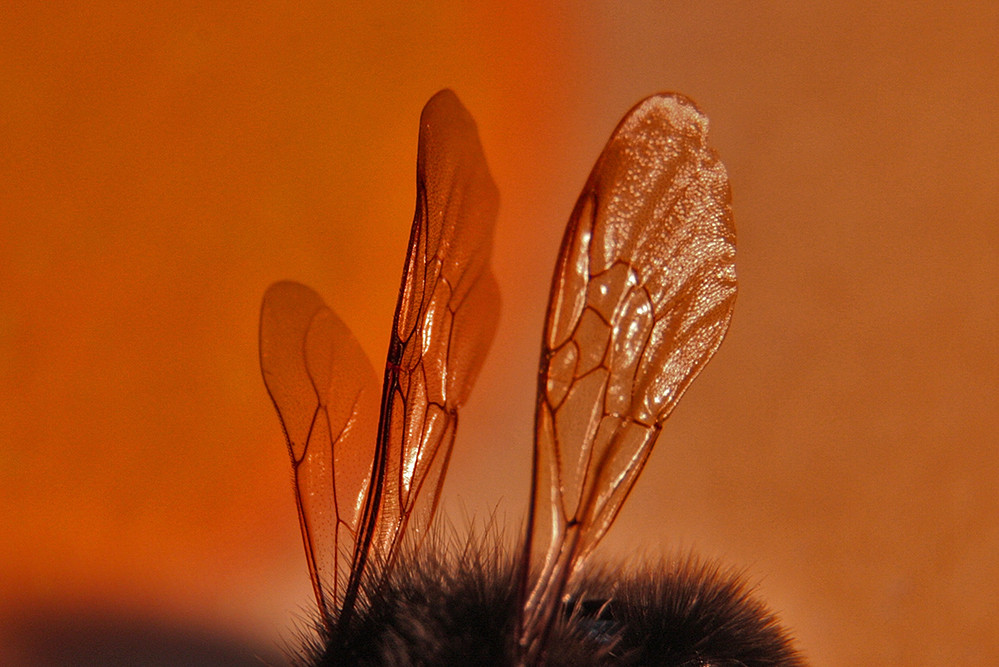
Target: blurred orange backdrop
[160, 166]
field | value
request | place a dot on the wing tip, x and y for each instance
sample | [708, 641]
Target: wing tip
[443, 107]
[673, 110]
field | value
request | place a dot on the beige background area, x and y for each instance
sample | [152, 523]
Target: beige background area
[159, 167]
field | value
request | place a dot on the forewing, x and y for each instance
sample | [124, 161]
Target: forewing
[641, 298]
[326, 395]
[444, 323]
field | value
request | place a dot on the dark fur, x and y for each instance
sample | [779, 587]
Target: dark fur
[446, 606]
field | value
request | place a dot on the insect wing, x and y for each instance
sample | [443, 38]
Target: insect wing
[326, 395]
[444, 323]
[641, 298]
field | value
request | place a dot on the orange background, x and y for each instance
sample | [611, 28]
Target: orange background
[160, 166]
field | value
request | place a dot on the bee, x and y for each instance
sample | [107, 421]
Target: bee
[641, 298]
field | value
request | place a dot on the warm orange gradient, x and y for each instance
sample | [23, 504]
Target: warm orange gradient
[160, 166]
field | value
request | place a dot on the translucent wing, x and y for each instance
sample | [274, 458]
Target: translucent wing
[641, 298]
[326, 395]
[444, 323]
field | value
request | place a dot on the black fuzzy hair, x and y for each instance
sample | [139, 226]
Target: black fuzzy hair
[459, 606]
[688, 613]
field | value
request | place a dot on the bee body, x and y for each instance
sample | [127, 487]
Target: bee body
[641, 299]
[460, 606]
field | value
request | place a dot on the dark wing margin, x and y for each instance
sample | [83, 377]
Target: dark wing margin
[330, 429]
[642, 296]
[444, 324]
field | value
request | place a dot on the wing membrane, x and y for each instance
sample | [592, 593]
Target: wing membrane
[325, 392]
[444, 323]
[641, 298]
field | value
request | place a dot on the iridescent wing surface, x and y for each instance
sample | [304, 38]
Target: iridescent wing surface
[641, 298]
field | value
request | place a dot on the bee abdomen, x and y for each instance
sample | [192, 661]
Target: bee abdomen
[461, 609]
[688, 613]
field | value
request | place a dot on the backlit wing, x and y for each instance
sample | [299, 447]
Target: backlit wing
[444, 323]
[641, 298]
[326, 395]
